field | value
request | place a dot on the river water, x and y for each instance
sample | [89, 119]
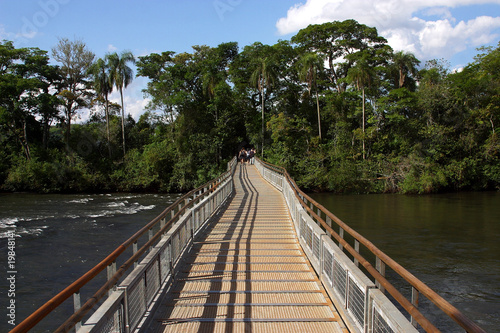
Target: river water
[451, 242]
[57, 239]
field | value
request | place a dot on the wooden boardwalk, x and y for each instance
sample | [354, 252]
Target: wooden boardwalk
[248, 273]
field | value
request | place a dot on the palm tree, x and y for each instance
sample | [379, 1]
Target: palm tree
[121, 75]
[362, 76]
[310, 64]
[263, 78]
[102, 85]
[405, 63]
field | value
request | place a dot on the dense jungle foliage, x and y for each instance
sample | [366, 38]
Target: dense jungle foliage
[335, 105]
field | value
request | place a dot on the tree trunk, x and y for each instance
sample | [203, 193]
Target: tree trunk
[123, 122]
[263, 124]
[25, 142]
[363, 125]
[68, 126]
[107, 126]
[45, 134]
[402, 77]
[319, 117]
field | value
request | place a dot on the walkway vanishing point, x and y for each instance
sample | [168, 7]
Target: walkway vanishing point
[249, 252]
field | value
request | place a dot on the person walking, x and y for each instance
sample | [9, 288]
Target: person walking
[251, 155]
[242, 156]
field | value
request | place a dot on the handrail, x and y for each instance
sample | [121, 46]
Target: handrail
[421, 287]
[39, 314]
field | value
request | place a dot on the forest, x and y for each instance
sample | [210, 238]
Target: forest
[335, 105]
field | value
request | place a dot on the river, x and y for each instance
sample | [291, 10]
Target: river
[57, 239]
[449, 241]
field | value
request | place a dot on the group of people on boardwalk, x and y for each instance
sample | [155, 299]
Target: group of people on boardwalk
[246, 156]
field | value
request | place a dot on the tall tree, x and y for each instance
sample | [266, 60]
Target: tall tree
[76, 59]
[310, 64]
[405, 63]
[161, 84]
[26, 95]
[336, 41]
[263, 78]
[100, 71]
[121, 75]
[362, 75]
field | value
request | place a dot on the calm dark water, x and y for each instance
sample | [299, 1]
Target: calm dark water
[449, 241]
[60, 237]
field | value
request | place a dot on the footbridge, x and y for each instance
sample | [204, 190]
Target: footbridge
[249, 252]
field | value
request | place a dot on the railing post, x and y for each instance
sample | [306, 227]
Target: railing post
[170, 255]
[380, 267]
[356, 248]
[111, 270]
[150, 234]
[193, 216]
[134, 251]
[341, 234]
[414, 301]
[126, 319]
[77, 304]
[329, 221]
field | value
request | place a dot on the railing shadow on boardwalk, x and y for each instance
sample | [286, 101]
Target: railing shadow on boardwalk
[247, 212]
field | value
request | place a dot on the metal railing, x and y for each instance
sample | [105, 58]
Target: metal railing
[129, 299]
[361, 301]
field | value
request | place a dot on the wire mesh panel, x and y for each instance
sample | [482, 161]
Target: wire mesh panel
[379, 324]
[152, 279]
[175, 246]
[182, 237]
[196, 219]
[316, 246]
[109, 318]
[339, 280]
[136, 302]
[384, 317]
[111, 324]
[356, 300]
[308, 236]
[328, 264]
[303, 226]
[164, 261]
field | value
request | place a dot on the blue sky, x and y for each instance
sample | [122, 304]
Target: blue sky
[449, 29]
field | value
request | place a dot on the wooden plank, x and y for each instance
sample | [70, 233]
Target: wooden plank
[252, 304]
[246, 291]
[247, 320]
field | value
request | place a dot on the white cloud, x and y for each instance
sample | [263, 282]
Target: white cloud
[133, 98]
[112, 48]
[20, 39]
[6, 35]
[406, 24]
[3, 34]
